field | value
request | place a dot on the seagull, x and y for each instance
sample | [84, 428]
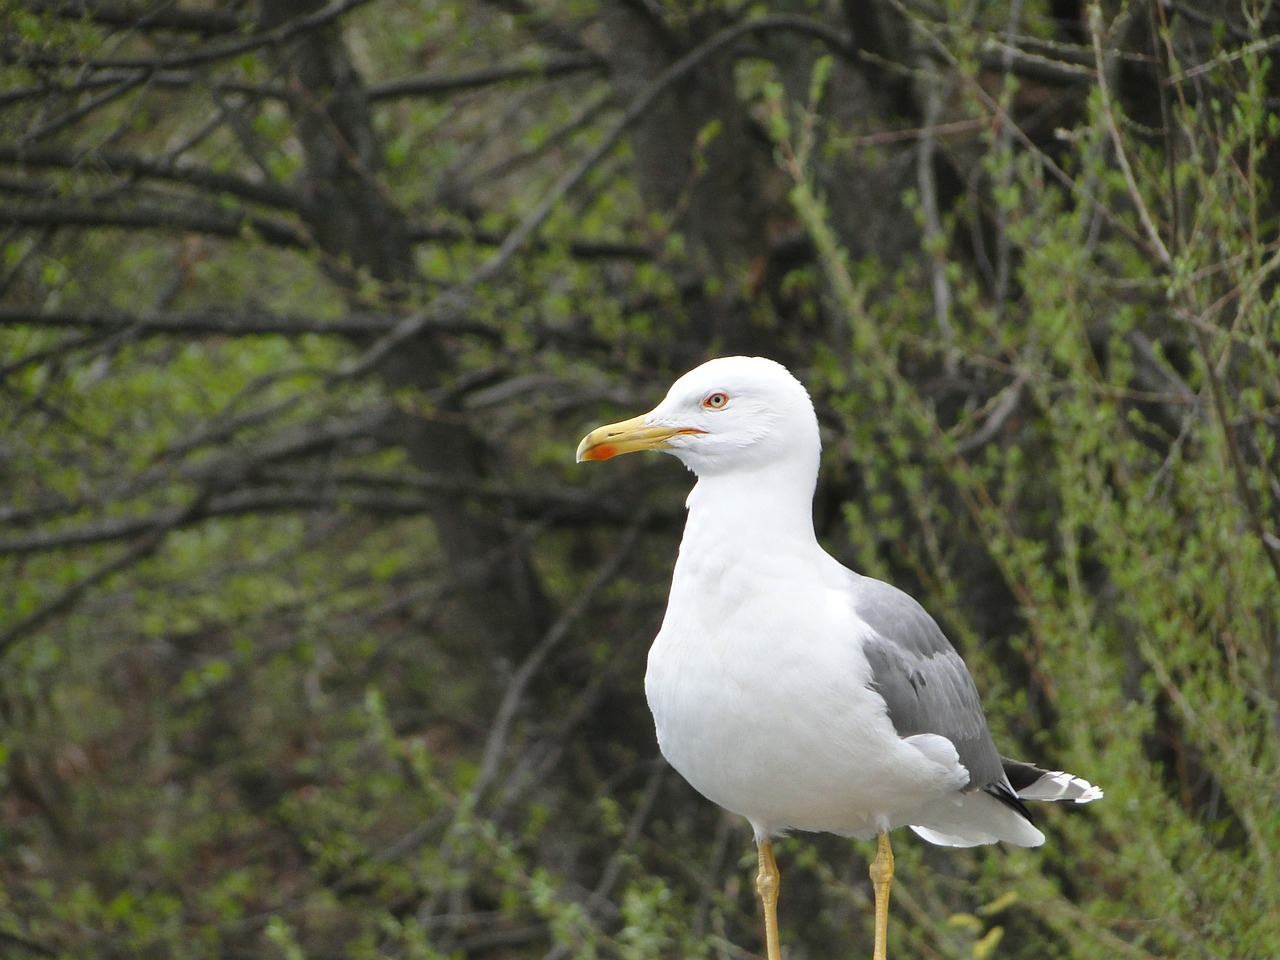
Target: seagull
[784, 686]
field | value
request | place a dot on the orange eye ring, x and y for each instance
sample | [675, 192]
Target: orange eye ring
[716, 401]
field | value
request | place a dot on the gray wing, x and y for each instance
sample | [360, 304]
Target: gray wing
[924, 682]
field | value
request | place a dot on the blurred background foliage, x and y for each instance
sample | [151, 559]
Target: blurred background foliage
[315, 643]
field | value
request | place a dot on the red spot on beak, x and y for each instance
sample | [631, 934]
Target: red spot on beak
[605, 451]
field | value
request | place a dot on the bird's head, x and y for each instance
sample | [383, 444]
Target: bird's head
[730, 414]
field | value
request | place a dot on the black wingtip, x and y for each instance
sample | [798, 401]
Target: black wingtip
[1007, 794]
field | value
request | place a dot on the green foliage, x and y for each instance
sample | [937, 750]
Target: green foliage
[288, 670]
[1147, 580]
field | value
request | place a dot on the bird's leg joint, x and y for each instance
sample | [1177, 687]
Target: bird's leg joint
[881, 868]
[768, 881]
[767, 886]
[881, 871]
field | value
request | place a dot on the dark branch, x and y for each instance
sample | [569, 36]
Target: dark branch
[291, 491]
[1060, 64]
[234, 504]
[207, 54]
[126, 86]
[31, 946]
[141, 215]
[434, 86]
[118, 163]
[243, 321]
[138, 17]
[141, 548]
[160, 79]
[582, 249]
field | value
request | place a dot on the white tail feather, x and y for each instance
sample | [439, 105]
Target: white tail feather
[1057, 785]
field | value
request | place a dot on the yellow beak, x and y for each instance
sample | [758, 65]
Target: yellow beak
[626, 436]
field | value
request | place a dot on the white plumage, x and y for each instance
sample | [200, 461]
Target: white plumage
[785, 687]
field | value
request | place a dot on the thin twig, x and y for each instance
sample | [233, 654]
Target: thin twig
[926, 181]
[1135, 195]
[1004, 139]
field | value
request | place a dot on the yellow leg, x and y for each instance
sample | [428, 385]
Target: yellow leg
[881, 877]
[767, 883]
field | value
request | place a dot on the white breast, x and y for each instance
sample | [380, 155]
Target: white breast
[761, 697]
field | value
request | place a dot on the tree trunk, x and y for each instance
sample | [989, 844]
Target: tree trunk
[498, 597]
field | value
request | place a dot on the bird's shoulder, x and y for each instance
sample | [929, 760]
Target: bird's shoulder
[894, 616]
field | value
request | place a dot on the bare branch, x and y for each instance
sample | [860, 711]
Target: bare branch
[139, 17]
[1105, 66]
[207, 54]
[118, 163]
[145, 215]
[220, 477]
[23, 943]
[232, 321]
[1069, 64]
[126, 85]
[434, 86]
[66, 346]
[158, 79]
[568, 504]
[582, 249]
[926, 182]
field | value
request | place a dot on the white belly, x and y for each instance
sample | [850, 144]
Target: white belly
[759, 691]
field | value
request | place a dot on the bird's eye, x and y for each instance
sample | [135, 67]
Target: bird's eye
[716, 401]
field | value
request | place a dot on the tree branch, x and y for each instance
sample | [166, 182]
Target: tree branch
[126, 85]
[455, 300]
[159, 79]
[136, 551]
[238, 321]
[1104, 65]
[216, 476]
[144, 215]
[23, 943]
[434, 86]
[582, 249]
[495, 744]
[138, 17]
[207, 54]
[997, 111]
[117, 163]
